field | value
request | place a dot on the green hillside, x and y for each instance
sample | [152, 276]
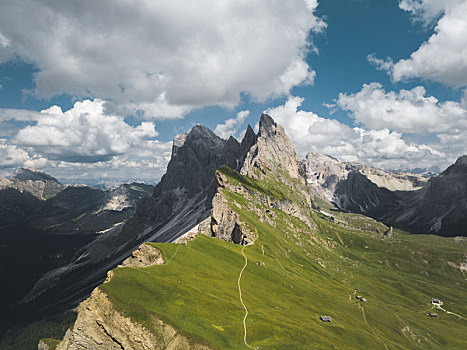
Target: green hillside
[294, 275]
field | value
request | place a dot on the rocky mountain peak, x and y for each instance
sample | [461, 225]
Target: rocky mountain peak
[232, 153]
[273, 151]
[201, 132]
[462, 160]
[248, 140]
[267, 126]
[25, 174]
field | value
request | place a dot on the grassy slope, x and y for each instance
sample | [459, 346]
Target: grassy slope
[305, 275]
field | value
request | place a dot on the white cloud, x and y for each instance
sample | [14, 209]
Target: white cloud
[231, 126]
[380, 64]
[84, 142]
[427, 10]
[163, 57]
[406, 111]
[83, 134]
[4, 42]
[443, 58]
[381, 148]
[11, 156]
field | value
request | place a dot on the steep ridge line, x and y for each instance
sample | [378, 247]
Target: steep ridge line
[240, 293]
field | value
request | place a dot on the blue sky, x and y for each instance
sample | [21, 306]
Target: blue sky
[144, 78]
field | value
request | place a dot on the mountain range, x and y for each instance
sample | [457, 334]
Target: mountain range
[257, 193]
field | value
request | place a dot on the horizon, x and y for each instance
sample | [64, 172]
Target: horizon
[110, 183]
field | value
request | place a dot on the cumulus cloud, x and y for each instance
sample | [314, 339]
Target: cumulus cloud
[84, 142]
[231, 126]
[406, 111]
[162, 57]
[381, 148]
[380, 64]
[443, 58]
[427, 10]
[82, 134]
[11, 156]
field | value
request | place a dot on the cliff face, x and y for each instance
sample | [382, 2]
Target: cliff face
[183, 197]
[268, 157]
[440, 207]
[324, 173]
[99, 326]
[436, 205]
[272, 151]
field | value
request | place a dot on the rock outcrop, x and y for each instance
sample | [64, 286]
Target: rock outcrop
[146, 255]
[273, 151]
[99, 326]
[225, 222]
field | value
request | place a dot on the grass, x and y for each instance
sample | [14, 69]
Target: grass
[27, 336]
[52, 343]
[302, 275]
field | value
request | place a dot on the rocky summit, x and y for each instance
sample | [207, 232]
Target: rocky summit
[265, 244]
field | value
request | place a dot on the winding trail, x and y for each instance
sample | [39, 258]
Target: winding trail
[452, 313]
[240, 293]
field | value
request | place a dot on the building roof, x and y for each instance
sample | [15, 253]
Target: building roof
[432, 314]
[326, 318]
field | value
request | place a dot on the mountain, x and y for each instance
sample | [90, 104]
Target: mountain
[324, 173]
[43, 225]
[440, 207]
[102, 238]
[265, 266]
[407, 201]
[255, 192]
[34, 182]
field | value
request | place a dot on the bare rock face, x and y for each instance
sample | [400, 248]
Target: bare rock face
[273, 151]
[232, 153]
[34, 182]
[439, 206]
[42, 345]
[225, 223]
[324, 173]
[146, 255]
[99, 326]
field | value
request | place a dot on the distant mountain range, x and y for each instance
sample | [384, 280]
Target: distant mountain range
[43, 225]
[417, 204]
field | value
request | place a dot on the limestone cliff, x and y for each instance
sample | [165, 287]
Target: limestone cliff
[226, 223]
[324, 173]
[272, 151]
[99, 326]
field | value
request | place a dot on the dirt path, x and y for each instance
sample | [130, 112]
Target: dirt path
[340, 239]
[240, 293]
[452, 313]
